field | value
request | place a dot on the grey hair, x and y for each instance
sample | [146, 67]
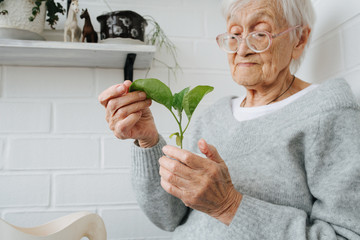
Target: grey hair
[295, 12]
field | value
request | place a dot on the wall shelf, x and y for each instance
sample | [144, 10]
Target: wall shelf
[68, 54]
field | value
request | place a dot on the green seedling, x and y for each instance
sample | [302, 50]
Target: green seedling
[185, 101]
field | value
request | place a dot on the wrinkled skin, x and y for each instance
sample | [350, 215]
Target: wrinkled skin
[201, 183]
[129, 115]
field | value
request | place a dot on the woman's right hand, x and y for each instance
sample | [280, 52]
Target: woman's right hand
[129, 115]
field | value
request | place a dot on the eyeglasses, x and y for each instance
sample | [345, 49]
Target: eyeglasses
[258, 41]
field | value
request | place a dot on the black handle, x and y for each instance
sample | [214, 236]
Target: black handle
[129, 66]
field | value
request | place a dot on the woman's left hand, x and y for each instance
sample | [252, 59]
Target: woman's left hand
[201, 183]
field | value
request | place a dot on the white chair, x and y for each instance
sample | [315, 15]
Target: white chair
[71, 227]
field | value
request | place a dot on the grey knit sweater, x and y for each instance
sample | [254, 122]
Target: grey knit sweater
[297, 168]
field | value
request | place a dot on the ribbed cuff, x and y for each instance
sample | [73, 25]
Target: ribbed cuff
[247, 221]
[145, 161]
[258, 219]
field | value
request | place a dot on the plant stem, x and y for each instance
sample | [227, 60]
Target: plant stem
[180, 128]
[108, 5]
[187, 125]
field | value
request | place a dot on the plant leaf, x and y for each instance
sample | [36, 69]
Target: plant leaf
[177, 134]
[178, 138]
[193, 98]
[178, 99]
[154, 89]
[178, 141]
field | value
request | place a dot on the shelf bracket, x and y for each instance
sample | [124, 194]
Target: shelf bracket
[129, 66]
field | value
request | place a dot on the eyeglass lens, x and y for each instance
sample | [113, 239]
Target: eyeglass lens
[256, 41]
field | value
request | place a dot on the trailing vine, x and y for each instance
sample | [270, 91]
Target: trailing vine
[156, 36]
[52, 11]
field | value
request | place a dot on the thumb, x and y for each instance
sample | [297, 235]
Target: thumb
[127, 84]
[209, 151]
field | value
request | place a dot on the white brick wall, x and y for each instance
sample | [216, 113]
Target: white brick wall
[79, 117]
[2, 152]
[101, 188]
[57, 155]
[130, 223]
[24, 190]
[116, 155]
[334, 51]
[20, 117]
[35, 82]
[53, 153]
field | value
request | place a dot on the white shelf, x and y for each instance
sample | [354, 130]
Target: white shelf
[67, 54]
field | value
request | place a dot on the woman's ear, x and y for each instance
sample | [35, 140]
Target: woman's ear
[301, 44]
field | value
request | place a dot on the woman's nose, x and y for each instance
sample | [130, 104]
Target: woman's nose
[243, 48]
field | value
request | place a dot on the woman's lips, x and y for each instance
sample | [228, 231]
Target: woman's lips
[245, 64]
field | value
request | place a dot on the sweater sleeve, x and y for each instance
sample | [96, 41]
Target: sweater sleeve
[333, 173]
[163, 209]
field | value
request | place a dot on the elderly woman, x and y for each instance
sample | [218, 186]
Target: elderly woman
[284, 160]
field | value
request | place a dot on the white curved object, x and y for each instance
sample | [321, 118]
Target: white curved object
[71, 227]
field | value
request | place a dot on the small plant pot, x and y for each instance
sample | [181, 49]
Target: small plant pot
[16, 24]
[123, 25]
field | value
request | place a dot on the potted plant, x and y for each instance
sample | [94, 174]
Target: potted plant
[25, 19]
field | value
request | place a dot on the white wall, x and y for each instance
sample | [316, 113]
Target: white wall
[57, 155]
[335, 49]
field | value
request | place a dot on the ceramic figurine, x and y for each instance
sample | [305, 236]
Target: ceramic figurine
[88, 30]
[72, 30]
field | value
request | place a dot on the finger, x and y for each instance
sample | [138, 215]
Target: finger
[209, 151]
[116, 103]
[176, 168]
[189, 159]
[127, 83]
[112, 92]
[174, 179]
[173, 190]
[125, 111]
[123, 128]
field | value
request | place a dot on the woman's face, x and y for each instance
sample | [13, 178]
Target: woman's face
[253, 69]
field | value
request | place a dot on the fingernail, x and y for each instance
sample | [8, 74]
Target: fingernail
[120, 89]
[202, 143]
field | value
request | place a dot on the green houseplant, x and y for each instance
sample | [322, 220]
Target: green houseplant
[52, 10]
[185, 101]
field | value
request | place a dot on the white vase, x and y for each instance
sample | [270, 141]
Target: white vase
[16, 24]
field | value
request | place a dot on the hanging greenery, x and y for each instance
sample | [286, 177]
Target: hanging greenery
[156, 36]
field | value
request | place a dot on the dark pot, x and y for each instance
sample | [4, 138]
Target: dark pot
[123, 24]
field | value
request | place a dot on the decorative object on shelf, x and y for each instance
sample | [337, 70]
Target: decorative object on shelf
[88, 32]
[122, 24]
[70, 227]
[72, 31]
[25, 19]
[128, 27]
